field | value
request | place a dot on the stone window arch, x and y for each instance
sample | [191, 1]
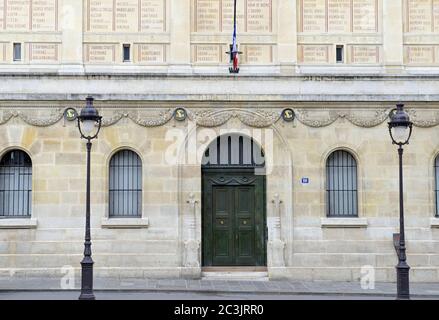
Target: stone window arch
[341, 185]
[15, 184]
[125, 187]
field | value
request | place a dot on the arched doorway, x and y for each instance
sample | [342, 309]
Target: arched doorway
[234, 203]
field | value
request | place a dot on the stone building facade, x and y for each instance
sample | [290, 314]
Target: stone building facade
[337, 66]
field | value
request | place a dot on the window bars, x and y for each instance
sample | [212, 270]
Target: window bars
[234, 150]
[125, 187]
[15, 185]
[436, 189]
[341, 185]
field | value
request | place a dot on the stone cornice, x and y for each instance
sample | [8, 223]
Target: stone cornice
[226, 76]
[222, 89]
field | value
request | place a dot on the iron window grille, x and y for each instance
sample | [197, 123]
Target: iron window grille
[125, 187]
[234, 151]
[341, 185]
[15, 185]
[436, 191]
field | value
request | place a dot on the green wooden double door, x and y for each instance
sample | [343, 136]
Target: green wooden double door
[234, 219]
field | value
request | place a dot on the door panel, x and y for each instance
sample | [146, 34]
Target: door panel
[244, 225]
[233, 220]
[223, 243]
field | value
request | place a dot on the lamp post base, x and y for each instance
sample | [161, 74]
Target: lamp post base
[87, 280]
[87, 296]
[402, 281]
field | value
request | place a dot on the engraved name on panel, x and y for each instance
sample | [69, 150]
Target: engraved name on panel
[338, 16]
[314, 54]
[257, 54]
[213, 16]
[421, 55]
[422, 16]
[313, 16]
[127, 16]
[100, 53]
[153, 16]
[436, 16]
[146, 53]
[18, 15]
[207, 53]
[43, 52]
[364, 54]
[3, 47]
[214, 54]
[365, 16]
[259, 16]
[227, 16]
[29, 15]
[100, 15]
[207, 15]
[44, 15]
[2, 14]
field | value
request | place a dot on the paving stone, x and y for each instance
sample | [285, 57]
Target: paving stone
[299, 287]
[193, 284]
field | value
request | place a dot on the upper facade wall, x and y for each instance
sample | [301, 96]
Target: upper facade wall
[187, 36]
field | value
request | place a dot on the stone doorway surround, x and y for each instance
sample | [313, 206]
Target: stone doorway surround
[279, 191]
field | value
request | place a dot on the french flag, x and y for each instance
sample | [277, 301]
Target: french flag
[234, 49]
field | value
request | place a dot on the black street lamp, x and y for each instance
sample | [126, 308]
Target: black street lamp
[89, 124]
[400, 128]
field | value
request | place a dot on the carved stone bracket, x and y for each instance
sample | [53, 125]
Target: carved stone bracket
[277, 248]
[276, 244]
[191, 244]
[191, 254]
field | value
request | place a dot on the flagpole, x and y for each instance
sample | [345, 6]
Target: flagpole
[234, 18]
[234, 47]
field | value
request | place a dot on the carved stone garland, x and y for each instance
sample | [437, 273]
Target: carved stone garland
[257, 118]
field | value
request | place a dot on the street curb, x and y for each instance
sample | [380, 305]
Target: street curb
[206, 291]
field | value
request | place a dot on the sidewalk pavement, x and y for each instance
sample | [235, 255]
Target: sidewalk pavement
[281, 287]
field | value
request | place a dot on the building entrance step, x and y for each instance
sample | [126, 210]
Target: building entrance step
[235, 273]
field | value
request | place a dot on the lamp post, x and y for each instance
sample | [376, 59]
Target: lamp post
[400, 129]
[89, 125]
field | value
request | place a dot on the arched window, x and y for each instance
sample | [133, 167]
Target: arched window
[125, 185]
[436, 189]
[341, 185]
[15, 185]
[233, 150]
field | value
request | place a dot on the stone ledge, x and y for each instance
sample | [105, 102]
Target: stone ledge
[124, 223]
[343, 222]
[18, 223]
[434, 222]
